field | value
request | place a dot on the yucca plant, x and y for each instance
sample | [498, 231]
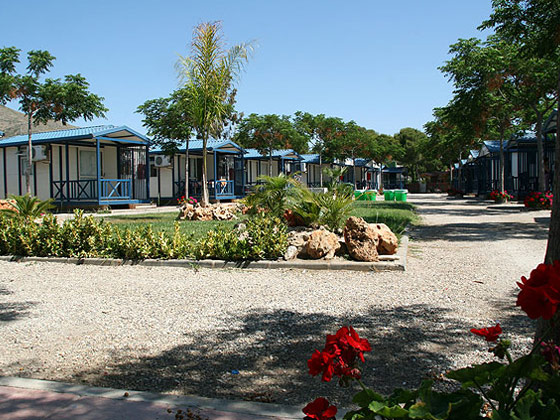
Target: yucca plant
[27, 207]
[274, 193]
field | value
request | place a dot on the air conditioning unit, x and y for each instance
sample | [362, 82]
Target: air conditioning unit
[40, 153]
[162, 161]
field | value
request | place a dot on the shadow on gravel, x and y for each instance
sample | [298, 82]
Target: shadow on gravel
[265, 359]
[490, 231]
[12, 311]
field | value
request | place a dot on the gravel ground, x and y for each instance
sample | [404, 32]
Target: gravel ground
[246, 334]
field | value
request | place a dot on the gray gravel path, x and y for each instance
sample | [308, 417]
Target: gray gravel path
[185, 331]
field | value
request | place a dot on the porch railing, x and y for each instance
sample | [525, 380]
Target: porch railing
[112, 189]
[85, 189]
[221, 188]
[216, 189]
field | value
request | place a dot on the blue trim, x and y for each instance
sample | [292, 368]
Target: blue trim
[215, 174]
[120, 140]
[98, 169]
[124, 127]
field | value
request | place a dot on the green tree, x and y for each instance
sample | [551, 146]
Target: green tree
[322, 133]
[412, 142]
[535, 26]
[384, 148]
[209, 74]
[168, 121]
[484, 89]
[268, 133]
[52, 99]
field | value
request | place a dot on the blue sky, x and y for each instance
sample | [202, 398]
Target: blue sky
[371, 61]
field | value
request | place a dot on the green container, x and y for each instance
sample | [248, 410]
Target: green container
[371, 195]
[389, 195]
[400, 196]
[360, 195]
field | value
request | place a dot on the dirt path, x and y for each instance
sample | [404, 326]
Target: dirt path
[246, 334]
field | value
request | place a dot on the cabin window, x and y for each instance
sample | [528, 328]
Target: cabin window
[88, 164]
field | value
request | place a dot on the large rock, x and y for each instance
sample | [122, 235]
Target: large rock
[298, 238]
[388, 241]
[321, 244]
[361, 240]
[291, 253]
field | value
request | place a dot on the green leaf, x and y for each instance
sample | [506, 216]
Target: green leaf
[392, 412]
[478, 374]
[365, 397]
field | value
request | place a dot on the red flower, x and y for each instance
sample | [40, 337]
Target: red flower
[320, 410]
[540, 293]
[349, 343]
[490, 333]
[322, 362]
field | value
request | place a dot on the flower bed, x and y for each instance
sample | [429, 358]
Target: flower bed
[539, 200]
[525, 388]
[500, 197]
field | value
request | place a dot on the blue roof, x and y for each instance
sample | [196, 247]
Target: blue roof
[313, 158]
[70, 134]
[196, 146]
[474, 153]
[254, 154]
[493, 146]
[395, 170]
[361, 161]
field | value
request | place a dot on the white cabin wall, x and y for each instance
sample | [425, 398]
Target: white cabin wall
[43, 185]
[12, 170]
[109, 156]
[2, 192]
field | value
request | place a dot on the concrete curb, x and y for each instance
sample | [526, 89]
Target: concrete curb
[203, 403]
[388, 265]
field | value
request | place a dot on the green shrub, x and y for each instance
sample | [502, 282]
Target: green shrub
[265, 237]
[85, 236]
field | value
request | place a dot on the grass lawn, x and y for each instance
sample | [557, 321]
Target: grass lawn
[396, 215]
[165, 221]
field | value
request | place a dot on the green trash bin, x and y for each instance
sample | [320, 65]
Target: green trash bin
[371, 195]
[389, 195]
[360, 195]
[400, 196]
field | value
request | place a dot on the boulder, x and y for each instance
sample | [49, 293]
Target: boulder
[202, 213]
[298, 238]
[361, 240]
[291, 253]
[321, 244]
[388, 241]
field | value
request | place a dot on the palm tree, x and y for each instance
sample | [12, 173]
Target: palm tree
[209, 75]
[27, 207]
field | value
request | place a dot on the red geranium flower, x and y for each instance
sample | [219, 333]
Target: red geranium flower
[540, 293]
[490, 333]
[322, 362]
[349, 343]
[320, 409]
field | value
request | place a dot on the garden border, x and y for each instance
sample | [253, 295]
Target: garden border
[396, 265]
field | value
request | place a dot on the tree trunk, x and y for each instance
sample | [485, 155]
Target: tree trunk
[502, 163]
[187, 169]
[354, 170]
[205, 199]
[29, 157]
[380, 177]
[270, 162]
[320, 170]
[540, 152]
[553, 246]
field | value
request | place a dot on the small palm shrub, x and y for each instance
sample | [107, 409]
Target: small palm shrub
[27, 207]
[273, 194]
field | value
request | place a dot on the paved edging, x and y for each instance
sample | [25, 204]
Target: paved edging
[203, 403]
[397, 265]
